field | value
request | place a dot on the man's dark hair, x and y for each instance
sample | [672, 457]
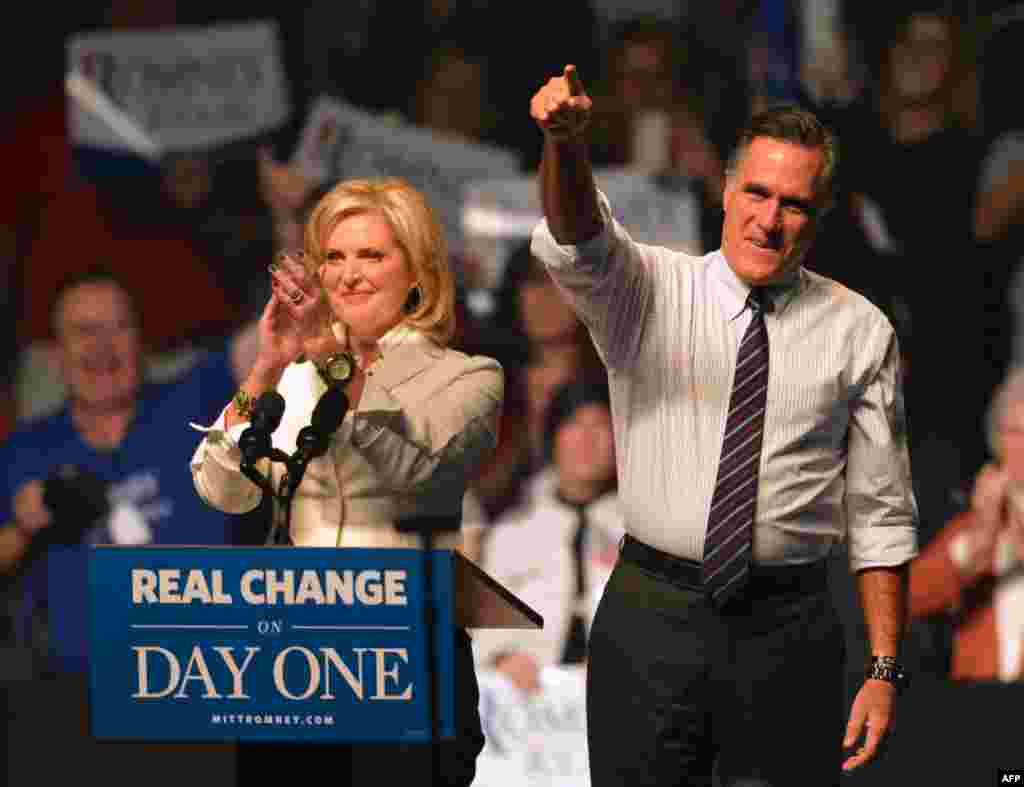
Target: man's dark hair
[96, 274]
[790, 123]
[569, 398]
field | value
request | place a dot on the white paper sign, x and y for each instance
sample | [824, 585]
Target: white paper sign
[498, 215]
[340, 141]
[537, 740]
[181, 89]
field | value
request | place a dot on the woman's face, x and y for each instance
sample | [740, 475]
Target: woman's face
[548, 373]
[545, 314]
[366, 275]
[920, 61]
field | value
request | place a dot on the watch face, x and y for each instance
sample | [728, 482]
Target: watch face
[339, 367]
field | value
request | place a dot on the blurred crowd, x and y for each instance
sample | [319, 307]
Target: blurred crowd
[929, 224]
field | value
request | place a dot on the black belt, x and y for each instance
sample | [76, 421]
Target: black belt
[803, 578]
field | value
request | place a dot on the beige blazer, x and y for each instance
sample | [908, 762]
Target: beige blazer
[427, 418]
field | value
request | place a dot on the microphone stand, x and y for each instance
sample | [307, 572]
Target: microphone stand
[311, 442]
[281, 507]
[256, 442]
[295, 469]
[283, 500]
[427, 528]
[282, 525]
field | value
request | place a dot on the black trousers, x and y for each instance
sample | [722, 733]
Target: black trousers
[362, 764]
[676, 688]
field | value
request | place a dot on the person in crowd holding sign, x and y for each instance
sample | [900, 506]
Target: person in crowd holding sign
[369, 307]
[715, 644]
[556, 550]
[974, 567]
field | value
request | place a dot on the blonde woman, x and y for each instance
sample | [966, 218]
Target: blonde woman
[368, 305]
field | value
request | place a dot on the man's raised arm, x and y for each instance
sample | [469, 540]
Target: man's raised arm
[562, 110]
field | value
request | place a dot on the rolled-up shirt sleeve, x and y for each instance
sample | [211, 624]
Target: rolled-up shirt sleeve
[216, 471]
[881, 512]
[607, 280]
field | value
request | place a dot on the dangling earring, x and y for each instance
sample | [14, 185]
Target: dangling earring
[414, 299]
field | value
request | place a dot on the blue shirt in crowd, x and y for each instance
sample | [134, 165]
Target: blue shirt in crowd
[149, 471]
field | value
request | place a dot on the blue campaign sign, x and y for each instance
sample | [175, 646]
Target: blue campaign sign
[266, 643]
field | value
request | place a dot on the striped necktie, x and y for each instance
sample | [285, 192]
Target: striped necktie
[728, 541]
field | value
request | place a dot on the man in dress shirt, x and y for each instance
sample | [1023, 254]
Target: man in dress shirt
[556, 549]
[683, 681]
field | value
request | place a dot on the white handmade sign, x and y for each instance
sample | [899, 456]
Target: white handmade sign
[534, 740]
[340, 141]
[180, 89]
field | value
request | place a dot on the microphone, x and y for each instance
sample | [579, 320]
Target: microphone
[266, 416]
[313, 440]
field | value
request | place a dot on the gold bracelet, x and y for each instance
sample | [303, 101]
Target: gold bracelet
[243, 403]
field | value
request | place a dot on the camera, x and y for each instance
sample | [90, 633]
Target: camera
[77, 498]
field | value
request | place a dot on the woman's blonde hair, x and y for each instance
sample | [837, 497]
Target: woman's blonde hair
[417, 231]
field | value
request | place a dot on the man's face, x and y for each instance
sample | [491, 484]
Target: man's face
[772, 207]
[99, 347]
[584, 448]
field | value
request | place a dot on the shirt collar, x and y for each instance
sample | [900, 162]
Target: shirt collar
[399, 335]
[733, 291]
[609, 489]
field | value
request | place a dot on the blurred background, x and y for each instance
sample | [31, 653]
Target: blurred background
[181, 143]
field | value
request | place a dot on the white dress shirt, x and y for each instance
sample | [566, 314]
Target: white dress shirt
[834, 459]
[530, 551]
